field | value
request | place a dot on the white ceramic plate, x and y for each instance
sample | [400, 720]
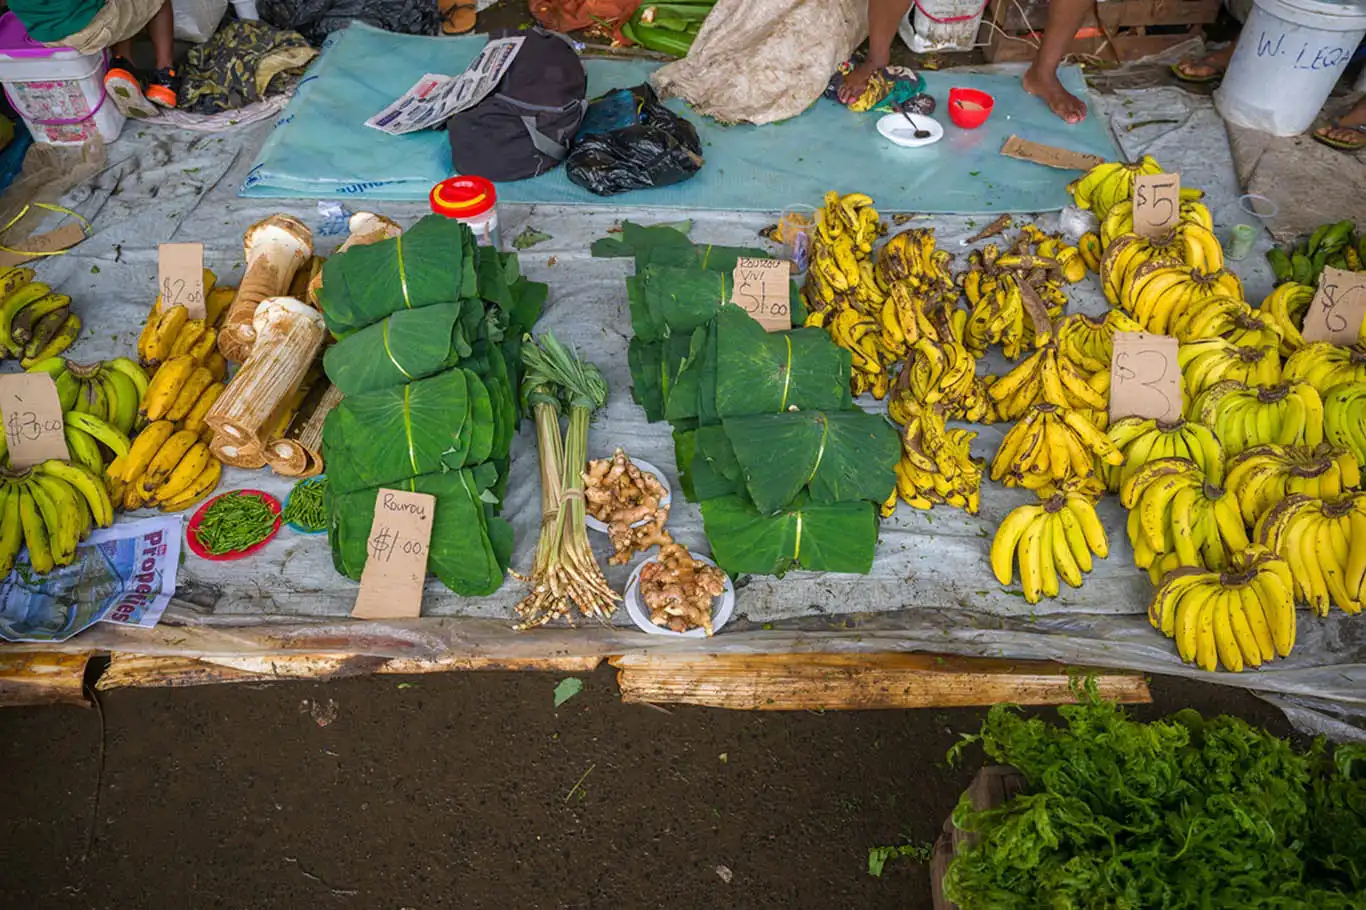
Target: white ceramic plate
[895, 128]
[645, 468]
[721, 607]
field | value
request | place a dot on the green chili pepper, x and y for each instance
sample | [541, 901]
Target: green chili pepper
[305, 507]
[235, 522]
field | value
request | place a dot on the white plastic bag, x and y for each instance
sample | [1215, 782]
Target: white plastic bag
[197, 20]
[759, 61]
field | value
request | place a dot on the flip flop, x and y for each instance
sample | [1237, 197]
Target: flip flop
[1343, 146]
[1184, 76]
[457, 17]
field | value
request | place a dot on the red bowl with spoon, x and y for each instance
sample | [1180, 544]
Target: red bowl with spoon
[969, 108]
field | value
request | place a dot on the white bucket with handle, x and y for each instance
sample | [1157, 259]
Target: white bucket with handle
[1289, 56]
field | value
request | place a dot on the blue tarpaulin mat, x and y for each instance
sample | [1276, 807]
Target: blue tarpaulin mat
[321, 147]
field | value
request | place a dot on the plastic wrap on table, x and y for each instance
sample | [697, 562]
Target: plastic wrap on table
[629, 141]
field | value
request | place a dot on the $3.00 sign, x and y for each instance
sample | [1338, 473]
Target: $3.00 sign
[1337, 313]
[761, 287]
[1145, 378]
[34, 427]
[180, 277]
[396, 556]
[1157, 204]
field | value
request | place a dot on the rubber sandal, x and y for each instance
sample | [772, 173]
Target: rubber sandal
[1339, 144]
[457, 18]
[1186, 77]
[125, 91]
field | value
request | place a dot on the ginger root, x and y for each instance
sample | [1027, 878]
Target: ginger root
[620, 495]
[678, 590]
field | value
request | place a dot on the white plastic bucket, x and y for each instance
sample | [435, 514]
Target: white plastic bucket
[58, 91]
[942, 25]
[1289, 56]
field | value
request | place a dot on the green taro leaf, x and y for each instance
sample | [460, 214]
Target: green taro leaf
[408, 345]
[830, 537]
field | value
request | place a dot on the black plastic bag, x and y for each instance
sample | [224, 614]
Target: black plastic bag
[629, 141]
[316, 19]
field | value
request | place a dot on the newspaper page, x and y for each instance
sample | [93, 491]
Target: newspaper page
[125, 574]
[435, 98]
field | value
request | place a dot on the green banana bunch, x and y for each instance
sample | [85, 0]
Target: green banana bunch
[1336, 244]
[51, 508]
[107, 389]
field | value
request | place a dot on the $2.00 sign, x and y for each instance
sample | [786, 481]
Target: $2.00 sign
[1157, 204]
[1337, 313]
[34, 427]
[761, 287]
[396, 556]
[1145, 377]
[180, 277]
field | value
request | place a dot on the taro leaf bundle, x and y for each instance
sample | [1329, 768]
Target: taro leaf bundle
[443, 422]
[470, 548]
[406, 346]
[433, 262]
[840, 456]
[666, 300]
[759, 372]
[829, 537]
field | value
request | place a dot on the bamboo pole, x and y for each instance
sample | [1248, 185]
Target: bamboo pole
[298, 453]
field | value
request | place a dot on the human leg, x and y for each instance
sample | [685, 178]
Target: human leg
[883, 18]
[1041, 79]
[164, 82]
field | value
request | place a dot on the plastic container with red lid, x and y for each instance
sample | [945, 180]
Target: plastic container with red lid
[472, 201]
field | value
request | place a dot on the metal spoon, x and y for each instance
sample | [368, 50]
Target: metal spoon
[919, 133]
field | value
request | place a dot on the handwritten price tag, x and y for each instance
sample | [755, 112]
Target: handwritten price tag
[1145, 378]
[761, 287]
[34, 428]
[1157, 204]
[1338, 311]
[180, 277]
[396, 563]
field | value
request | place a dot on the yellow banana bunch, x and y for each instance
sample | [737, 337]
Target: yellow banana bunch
[1068, 257]
[997, 314]
[1091, 487]
[1189, 244]
[1044, 377]
[1324, 543]
[1241, 617]
[180, 388]
[1344, 418]
[913, 257]
[1325, 365]
[943, 374]
[169, 332]
[1141, 440]
[1120, 219]
[1228, 318]
[1177, 518]
[1106, 185]
[1049, 542]
[1088, 342]
[1091, 249]
[51, 508]
[860, 335]
[1243, 416]
[936, 464]
[1049, 445]
[167, 467]
[1160, 291]
[1263, 475]
[1210, 361]
[1285, 308]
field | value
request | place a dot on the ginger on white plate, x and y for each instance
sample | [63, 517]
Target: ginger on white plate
[619, 494]
[678, 590]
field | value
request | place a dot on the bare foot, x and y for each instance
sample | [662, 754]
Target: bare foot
[1212, 64]
[1046, 87]
[1343, 136]
[856, 82]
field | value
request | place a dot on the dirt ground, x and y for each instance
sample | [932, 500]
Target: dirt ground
[471, 790]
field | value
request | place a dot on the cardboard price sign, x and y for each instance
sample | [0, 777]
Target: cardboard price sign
[1157, 204]
[1145, 378]
[34, 427]
[1337, 313]
[1049, 155]
[396, 562]
[761, 287]
[180, 277]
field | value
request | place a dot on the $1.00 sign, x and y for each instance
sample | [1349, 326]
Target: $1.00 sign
[180, 277]
[1338, 310]
[1145, 378]
[396, 556]
[761, 287]
[1157, 204]
[34, 428]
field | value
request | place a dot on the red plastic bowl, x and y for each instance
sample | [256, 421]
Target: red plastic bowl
[969, 108]
[192, 532]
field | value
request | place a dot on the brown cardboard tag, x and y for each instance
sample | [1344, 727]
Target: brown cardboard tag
[34, 427]
[62, 238]
[1337, 313]
[180, 277]
[1145, 378]
[761, 287]
[396, 564]
[1049, 155]
[1157, 204]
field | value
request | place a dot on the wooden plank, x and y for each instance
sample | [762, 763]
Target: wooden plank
[132, 670]
[1018, 16]
[795, 682]
[42, 678]
[1130, 46]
